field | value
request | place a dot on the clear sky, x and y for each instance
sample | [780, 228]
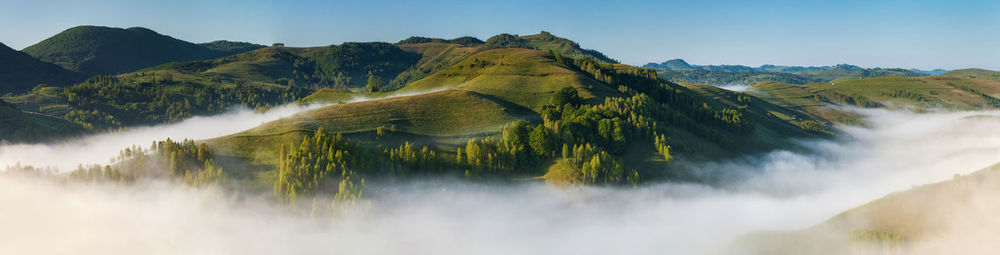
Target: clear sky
[916, 33]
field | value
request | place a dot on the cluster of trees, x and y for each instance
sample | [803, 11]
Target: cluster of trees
[870, 241]
[519, 149]
[97, 174]
[374, 84]
[109, 102]
[675, 99]
[303, 168]
[815, 127]
[192, 163]
[94, 120]
[507, 41]
[464, 40]
[902, 93]
[597, 166]
[853, 99]
[349, 65]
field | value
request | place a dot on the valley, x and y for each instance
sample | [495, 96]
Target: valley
[516, 144]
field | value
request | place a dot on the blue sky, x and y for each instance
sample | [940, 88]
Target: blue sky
[917, 33]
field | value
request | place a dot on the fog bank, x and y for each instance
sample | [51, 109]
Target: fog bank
[776, 191]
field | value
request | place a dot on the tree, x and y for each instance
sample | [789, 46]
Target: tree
[175, 165]
[374, 83]
[542, 141]
[567, 95]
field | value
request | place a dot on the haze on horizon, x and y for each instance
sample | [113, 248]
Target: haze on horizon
[906, 34]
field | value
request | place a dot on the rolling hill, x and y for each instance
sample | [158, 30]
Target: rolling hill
[480, 95]
[936, 218]
[545, 41]
[677, 70]
[893, 92]
[19, 72]
[94, 50]
[975, 73]
[447, 93]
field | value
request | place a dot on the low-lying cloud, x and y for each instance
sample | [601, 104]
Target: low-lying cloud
[733, 87]
[776, 191]
[101, 148]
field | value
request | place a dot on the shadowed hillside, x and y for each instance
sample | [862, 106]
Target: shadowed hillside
[20, 72]
[95, 50]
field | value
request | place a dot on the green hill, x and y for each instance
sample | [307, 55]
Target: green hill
[525, 77]
[20, 72]
[840, 73]
[441, 114]
[345, 67]
[891, 92]
[975, 73]
[481, 95]
[702, 76]
[545, 41]
[95, 50]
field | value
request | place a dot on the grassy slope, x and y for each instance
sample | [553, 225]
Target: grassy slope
[520, 76]
[924, 92]
[435, 56]
[47, 101]
[975, 73]
[907, 213]
[442, 114]
[264, 66]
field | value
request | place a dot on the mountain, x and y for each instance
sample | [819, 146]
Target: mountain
[975, 73]
[677, 70]
[930, 72]
[721, 78]
[680, 64]
[20, 72]
[94, 50]
[673, 64]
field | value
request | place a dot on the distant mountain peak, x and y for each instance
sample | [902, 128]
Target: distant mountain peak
[673, 64]
[847, 67]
